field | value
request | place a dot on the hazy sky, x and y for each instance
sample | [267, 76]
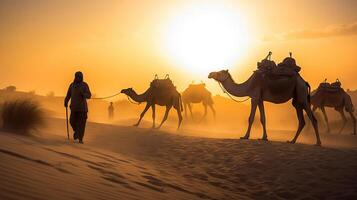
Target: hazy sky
[125, 43]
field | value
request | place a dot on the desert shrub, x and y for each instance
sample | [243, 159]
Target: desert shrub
[21, 116]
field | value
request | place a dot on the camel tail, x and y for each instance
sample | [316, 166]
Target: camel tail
[308, 92]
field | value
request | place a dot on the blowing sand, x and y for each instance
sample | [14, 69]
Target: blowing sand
[118, 162]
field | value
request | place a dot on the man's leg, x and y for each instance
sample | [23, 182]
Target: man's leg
[82, 119]
[74, 123]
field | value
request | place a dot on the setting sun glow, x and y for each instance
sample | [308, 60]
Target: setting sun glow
[204, 38]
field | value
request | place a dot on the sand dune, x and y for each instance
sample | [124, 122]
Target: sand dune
[118, 162]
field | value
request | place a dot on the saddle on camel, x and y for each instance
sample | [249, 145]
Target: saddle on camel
[198, 93]
[162, 85]
[286, 68]
[330, 87]
[195, 90]
[278, 77]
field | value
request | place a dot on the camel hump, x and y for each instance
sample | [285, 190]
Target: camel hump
[289, 63]
[266, 65]
[162, 84]
[324, 85]
[330, 87]
[199, 86]
[196, 92]
[336, 84]
[287, 68]
[198, 89]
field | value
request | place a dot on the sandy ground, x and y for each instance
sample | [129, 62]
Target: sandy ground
[121, 162]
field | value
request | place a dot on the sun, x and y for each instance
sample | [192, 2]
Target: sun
[205, 38]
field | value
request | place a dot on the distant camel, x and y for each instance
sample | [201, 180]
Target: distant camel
[152, 97]
[264, 88]
[197, 93]
[337, 99]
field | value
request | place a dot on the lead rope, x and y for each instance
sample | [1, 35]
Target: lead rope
[225, 91]
[107, 97]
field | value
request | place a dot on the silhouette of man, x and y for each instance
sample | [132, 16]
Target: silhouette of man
[111, 111]
[78, 92]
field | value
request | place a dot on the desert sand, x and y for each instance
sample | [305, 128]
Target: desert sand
[124, 162]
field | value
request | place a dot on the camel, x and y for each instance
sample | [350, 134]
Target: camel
[197, 93]
[153, 97]
[278, 90]
[333, 98]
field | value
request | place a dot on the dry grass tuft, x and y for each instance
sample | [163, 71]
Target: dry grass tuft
[21, 116]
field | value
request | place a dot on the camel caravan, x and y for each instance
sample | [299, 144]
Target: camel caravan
[162, 92]
[271, 82]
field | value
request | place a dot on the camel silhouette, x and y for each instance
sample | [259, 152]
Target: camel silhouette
[334, 97]
[153, 97]
[197, 93]
[277, 90]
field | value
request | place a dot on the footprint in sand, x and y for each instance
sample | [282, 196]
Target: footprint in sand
[37, 161]
[159, 183]
[110, 156]
[103, 158]
[113, 177]
[99, 164]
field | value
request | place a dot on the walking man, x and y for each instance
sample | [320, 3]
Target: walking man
[111, 111]
[78, 92]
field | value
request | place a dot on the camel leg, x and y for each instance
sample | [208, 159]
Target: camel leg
[190, 109]
[344, 119]
[213, 110]
[300, 115]
[314, 123]
[251, 118]
[326, 119]
[185, 109]
[142, 114]
[165, 116]
[179, 117]
[205, 112]
[263, 120]
[153, 115]
[354, 122]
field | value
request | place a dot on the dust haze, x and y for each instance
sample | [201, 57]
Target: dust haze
[119, 53]
[230, 122]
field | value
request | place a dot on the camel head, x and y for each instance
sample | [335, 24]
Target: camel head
[127, 91]
[219, 76]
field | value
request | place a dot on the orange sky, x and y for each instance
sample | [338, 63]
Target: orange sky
[119, 44]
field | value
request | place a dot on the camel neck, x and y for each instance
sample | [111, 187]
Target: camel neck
[238, 90]
[139, 97]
